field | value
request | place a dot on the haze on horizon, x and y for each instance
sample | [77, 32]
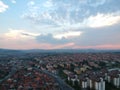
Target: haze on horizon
[60, 24]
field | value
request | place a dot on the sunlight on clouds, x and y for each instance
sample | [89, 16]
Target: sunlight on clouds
[20, 34]
[3, 7]
[102, 20]
[69, 34]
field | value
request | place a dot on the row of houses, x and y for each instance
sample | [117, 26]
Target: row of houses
[96, 80]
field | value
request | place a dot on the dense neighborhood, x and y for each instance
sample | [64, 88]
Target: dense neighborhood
[49, 71]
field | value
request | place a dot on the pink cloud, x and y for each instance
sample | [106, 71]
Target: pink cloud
[30, 44]
[63, 46]
[98, 47]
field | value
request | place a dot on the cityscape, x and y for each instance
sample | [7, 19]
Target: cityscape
[30, 70]
[59, 44]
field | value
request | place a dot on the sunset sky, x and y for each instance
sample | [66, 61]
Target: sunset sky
[60, 24]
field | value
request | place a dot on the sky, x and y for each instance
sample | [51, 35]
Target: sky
[60, 24]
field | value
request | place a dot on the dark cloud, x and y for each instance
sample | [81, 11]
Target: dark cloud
[26, 34]
[89, 37]
[99, 36]
[51, 40]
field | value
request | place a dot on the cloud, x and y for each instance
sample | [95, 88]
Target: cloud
[84, 23]
[13, 1]
[96, 3]
[59, 38]
[31, 3]
[67, 35]
[51, 40]
[48, 3]
[19, 35]
[105, 46]
[99, 36]
[102, 20]
[72, 14]
[20, 39]
[3, 7]
[67, 45]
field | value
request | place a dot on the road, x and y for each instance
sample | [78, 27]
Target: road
[13, 71]
[62, 84]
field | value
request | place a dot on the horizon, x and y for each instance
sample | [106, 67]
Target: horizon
[60, 24]
[89, 49]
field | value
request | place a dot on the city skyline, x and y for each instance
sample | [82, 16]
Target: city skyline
[59, 24]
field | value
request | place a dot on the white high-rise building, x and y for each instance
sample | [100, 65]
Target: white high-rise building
[91, 86]
[84, 84]
[100, 85]
[115, 81]
[96, 85]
